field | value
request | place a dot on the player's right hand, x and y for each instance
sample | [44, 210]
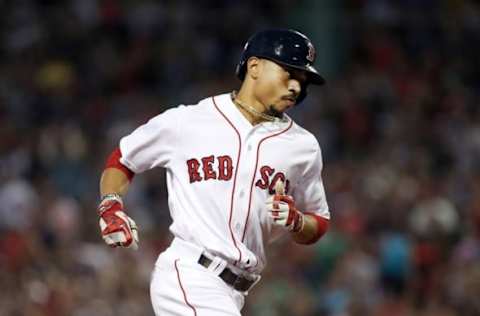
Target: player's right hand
[282, 210]
[117, 228]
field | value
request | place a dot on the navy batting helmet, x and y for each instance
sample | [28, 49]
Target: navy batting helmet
[285, 47]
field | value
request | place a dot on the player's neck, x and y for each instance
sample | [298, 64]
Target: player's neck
[253, 111]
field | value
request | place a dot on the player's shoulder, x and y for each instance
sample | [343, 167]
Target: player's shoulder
[307, 145]
[304, 136]
[185, 109]
[201, 105]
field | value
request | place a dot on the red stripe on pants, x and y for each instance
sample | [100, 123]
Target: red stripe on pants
[183, 290]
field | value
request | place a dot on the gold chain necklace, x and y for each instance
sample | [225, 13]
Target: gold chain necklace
[250, 109]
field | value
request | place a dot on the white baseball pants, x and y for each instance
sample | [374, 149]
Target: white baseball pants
[180, 286]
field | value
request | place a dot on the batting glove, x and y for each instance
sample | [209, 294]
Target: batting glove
[117, 228]
[281, 209]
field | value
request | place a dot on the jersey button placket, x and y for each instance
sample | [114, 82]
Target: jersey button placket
[249, 160]
[245, 172]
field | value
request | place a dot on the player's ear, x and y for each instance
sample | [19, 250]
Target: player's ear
[253, 67]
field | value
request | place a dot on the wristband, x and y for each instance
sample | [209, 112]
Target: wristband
[110, 197]
[322, 227]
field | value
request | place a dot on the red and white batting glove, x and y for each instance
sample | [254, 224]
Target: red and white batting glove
[117, 228]
[281, 208]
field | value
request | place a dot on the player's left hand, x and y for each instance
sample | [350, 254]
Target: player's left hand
[281, 209]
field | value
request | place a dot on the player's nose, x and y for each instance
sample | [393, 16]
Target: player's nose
[294, 87]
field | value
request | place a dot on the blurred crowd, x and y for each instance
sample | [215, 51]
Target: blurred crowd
[398, 123]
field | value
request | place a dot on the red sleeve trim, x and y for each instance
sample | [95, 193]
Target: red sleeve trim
[113, 161]
[322, 227]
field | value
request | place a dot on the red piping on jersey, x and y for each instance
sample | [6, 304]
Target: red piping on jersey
[234, 180]
[183, 290]
[255, 173]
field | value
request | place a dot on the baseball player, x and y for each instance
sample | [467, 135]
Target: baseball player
[240, 173]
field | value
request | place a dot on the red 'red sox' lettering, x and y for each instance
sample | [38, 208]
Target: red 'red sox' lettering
[208, 172]
[193, 166]
[264, 182]
[206, 169]
[224, 168]
[265, 173]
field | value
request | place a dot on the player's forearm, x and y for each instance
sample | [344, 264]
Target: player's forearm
[113, 181]
[313, 229]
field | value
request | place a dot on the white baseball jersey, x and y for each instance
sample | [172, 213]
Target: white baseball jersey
[220, 172]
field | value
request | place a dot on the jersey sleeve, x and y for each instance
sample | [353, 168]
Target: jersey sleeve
[310, 192]
[152, 144]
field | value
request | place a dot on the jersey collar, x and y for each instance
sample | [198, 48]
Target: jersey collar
[226, 105]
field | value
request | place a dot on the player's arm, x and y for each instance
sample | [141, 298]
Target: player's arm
[113, 180]
[305, 227]
[149, 146]
[117, 228]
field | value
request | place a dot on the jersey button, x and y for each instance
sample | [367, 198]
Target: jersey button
[242, 193]
[238, 227]
[249, 147]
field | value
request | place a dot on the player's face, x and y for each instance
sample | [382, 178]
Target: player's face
[278, 86]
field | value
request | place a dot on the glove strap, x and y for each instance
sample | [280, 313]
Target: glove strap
[298, 225]
[110, 197]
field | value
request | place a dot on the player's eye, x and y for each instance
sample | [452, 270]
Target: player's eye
[287, 73]
[299, 75]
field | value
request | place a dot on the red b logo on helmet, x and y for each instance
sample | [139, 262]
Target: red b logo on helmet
[311, 53]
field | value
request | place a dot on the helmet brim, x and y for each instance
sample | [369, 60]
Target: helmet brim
[313, 76]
